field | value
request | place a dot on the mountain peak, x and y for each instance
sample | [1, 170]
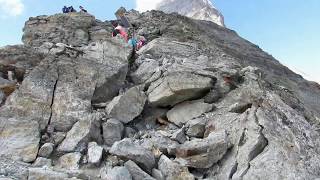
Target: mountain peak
[196, 9]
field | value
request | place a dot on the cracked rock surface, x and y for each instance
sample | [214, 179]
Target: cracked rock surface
[196, 102]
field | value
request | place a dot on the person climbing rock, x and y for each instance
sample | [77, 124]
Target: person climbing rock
[82, 9]
[119, 29]
[133, 42]
[141, 42]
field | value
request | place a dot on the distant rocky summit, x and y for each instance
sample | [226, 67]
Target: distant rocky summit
[196, 102]
[196, 9]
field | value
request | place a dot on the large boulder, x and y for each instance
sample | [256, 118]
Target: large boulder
[112, 131]
[186, 111]
[19, 139]
[83, 131]
[70, 161]
[129, 150]
[173, 170]
[114, 54]
[203, 153]
[71, 28]
[51, 92]
[178, 87]
[127, 106]
[34, 97]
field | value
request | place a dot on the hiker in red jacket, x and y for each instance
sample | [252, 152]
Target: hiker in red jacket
[118, 29]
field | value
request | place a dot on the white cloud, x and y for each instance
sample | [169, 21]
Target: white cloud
[11, 7]
[144, 5]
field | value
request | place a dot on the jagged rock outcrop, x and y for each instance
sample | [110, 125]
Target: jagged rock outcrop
[196, 102]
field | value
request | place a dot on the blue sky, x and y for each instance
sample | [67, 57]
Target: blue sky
[287, 29]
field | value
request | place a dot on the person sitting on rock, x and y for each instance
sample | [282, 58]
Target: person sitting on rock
[65, 9]
[118, 29]
[82, 9]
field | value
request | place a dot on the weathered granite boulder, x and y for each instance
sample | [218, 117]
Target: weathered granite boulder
[127, 106]
[129, 150]
[203, 153]
[71, 28]
[173, 170]
[69, 161]
[112, 131]
[176, 88]
[83, 131]
[114, 54]
[182, 113]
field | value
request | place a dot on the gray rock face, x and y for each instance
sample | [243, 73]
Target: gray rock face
[82, 132]
[119, 173]
[95, 153]
[114, 54]
[112, 131]
[46, 150]
[127, 106]
[136, 172]
[66, 28]
[186, 111]
[129, 150]
[177, 88]
[19, 139]
[203, 153]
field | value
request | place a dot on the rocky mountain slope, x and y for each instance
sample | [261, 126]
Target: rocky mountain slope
[196, 9]
[191, 104]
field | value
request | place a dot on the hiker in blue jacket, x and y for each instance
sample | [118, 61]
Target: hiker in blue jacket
[65, 9]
